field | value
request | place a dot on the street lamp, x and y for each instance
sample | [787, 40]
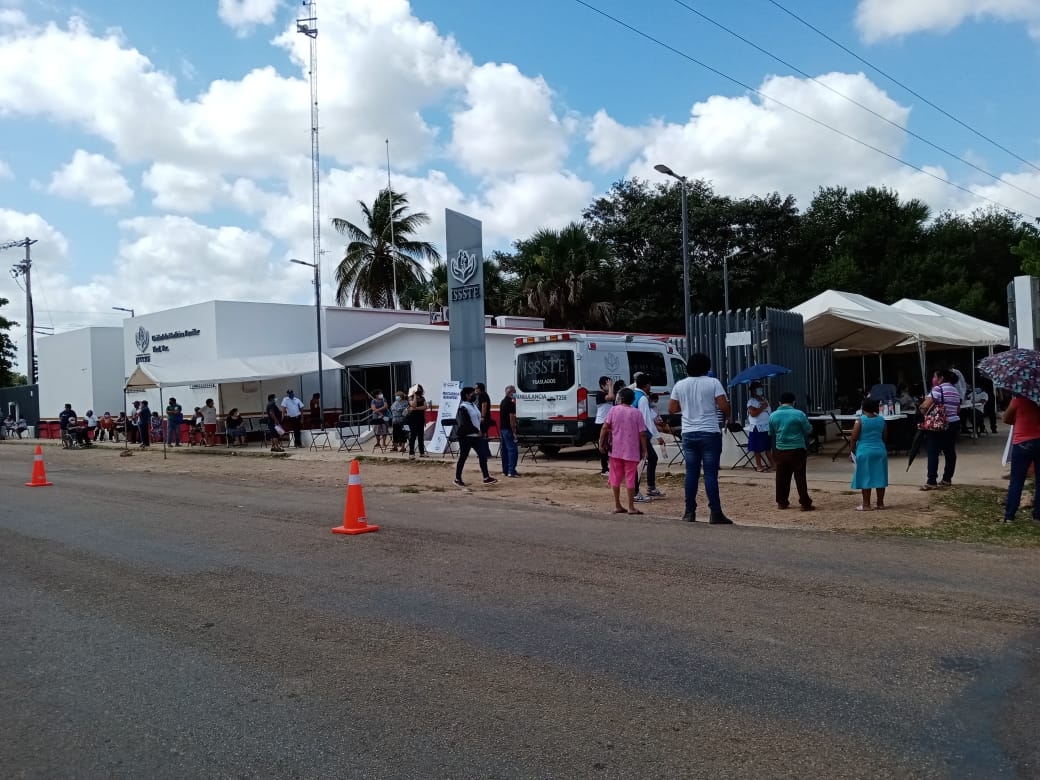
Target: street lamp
[120, 308]
[317, 309]
[685, 253]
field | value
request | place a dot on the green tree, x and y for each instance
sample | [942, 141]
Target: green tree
[8, 377]
[563, 276]
[382, 251]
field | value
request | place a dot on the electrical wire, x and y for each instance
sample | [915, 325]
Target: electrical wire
[901, 85]
[800, 113]
[852, 100]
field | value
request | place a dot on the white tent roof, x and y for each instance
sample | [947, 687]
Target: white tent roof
[227, 370]
[858, 323]
[988, 334]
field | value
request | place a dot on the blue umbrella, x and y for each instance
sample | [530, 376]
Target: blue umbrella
[754, 373]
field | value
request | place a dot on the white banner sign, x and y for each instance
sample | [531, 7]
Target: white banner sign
[740, 338]
[446, 410]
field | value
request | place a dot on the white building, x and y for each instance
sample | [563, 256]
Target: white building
[83, 368]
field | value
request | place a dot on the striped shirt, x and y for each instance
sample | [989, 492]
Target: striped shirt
[947, 394]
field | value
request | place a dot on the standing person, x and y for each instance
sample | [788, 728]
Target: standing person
[758, 411]
[92, 425]
[133, 424]
[292, 414]
[482, 401]
[1024, 415]
[642, 404]
[471, 437]
[623, 435]
[380, 415]
[274, 422]
[398, 416]
[789, 427]
[604, 400]
[209, 422]
[870, 454]
[316, 421]
[507, 426]
[416, 421]
[944, 392]
[144, 424]
[174, 415]
[702, 400]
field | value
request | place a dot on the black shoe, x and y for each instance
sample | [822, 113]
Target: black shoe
[490, 480]
[717, 518]
[458, 483]
[689, 517]
[809, 508]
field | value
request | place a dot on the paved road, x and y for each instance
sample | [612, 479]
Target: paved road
[164, 628]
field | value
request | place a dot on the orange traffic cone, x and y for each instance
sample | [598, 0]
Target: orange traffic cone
[354, 519]
[39, 475]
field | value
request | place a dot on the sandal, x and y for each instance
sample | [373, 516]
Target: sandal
[621, 511]
[928, 487]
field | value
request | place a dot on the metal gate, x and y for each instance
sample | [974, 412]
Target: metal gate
[764, 335]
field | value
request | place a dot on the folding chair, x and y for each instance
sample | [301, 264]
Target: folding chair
[846, 442]
[448, 425]
[740, 438]
[320, 436]
[349, 434]
[679, 454]
[527, 447]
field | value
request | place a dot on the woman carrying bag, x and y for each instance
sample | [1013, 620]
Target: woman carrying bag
[940, 425]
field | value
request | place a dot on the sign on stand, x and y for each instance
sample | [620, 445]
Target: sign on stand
[446, 410]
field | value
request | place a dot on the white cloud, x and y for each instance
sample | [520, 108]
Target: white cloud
[880, 19]
[509, 124]
[612, 144]
[243, 15]
[5, 171]
[12, 17]
[92, 178]
[183, 190]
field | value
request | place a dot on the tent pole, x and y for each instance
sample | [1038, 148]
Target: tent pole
[863, 366]
[924, 374]
[126, 425]
[881, 368]
[162, 413]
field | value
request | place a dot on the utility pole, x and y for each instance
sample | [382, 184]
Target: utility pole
[23, 269]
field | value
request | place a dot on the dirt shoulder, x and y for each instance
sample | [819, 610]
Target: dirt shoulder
[570, 486]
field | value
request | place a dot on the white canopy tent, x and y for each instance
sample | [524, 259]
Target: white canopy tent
[151, 375]
[856, 323]
[251, 369]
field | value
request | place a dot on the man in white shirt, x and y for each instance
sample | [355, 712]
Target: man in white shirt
[292, 416]
[701, 398]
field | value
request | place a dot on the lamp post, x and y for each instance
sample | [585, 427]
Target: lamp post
[685, 253]
[120, 308]
[317, 310]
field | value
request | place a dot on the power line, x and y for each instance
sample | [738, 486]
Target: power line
[852, 100]
[900, 84]
[800, 113]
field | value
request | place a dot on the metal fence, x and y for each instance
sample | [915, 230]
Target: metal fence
[766, 336]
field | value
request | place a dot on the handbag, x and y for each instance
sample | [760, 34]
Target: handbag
[935, 418]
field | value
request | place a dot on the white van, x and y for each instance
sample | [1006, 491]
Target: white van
[557, 377]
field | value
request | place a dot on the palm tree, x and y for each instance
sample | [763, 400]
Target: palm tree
[565, 277]
[382, 253]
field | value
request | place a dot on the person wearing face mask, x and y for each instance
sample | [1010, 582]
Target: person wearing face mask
[398, 415]
[471, 438]
[507, 419]
[380, 419]
[292, 414]
[759, 442]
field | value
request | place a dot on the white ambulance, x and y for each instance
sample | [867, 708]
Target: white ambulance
[557, 377]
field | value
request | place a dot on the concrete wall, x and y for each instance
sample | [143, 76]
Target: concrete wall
[250, 329]
[344, 327]
[82, 367]
[174, 351]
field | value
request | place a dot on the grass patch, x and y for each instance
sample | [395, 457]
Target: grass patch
[974, 515]
[410, 489]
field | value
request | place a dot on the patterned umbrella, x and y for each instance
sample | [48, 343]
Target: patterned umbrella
[1017, 371]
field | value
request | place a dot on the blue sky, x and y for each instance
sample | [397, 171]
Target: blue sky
[160, 157]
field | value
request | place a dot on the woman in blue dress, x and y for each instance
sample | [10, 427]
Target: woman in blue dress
[870, 454]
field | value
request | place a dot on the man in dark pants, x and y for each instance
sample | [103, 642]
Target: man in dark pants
[642, 403]
[482, 401]
[789, 427]
[470, 438]
[274, 422]
[144, 425]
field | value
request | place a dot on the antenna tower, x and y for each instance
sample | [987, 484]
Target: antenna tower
[24, 268]
[309, 27]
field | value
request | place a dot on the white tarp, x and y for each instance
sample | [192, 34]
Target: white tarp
[248, 369]
[855, 322]
[986, 333]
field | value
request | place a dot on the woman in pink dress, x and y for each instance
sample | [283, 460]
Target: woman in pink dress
[622, 435]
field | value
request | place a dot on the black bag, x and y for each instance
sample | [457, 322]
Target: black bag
[464, 425]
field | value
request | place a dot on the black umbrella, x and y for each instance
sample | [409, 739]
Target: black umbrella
[915, 447]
